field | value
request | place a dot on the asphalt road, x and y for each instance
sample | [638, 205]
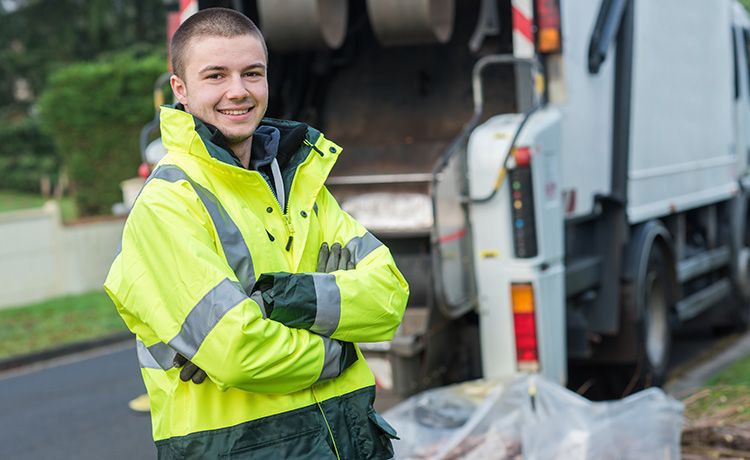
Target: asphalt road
[75, 410]
[76, 407]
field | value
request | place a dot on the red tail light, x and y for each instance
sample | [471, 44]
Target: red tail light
[524, 322]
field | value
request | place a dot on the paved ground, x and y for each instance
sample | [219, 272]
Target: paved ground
[76, 407]
[75, 410]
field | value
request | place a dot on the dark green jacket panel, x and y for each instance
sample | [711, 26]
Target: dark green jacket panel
[360, 432]
[300, 434]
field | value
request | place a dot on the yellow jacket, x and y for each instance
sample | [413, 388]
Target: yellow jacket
[206, 251]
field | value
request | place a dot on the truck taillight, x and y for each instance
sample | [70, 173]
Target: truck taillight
[522, 204]
[548, 26]
[524, 322]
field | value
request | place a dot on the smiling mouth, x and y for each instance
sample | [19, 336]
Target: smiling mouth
[235, 112]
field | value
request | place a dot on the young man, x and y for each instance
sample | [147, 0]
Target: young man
[221, 264]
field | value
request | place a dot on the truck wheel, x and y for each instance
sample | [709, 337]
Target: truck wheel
[654, 328]
[740, 317]
[741, 314]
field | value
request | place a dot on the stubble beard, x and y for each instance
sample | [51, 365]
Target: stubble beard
[234, 140]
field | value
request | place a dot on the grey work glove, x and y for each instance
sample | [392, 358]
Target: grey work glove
[337, 258]
[189, 370]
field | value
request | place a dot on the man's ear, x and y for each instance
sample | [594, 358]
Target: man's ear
[179, 89]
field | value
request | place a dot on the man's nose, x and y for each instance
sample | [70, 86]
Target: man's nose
[237, 88]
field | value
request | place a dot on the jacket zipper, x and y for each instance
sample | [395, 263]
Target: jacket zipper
[328, 426]
[285, 216]
[273, 194]
[285, 211]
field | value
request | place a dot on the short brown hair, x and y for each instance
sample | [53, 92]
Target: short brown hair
[211, 22]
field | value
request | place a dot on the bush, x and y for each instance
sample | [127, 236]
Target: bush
[26, 155]
[95, 112]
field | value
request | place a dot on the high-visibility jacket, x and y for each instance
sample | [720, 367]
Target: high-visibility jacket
[207, 252]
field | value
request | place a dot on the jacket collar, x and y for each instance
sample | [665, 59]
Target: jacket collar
[279, 139]
[303, 152]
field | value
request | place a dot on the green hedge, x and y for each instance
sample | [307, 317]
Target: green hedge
[26, 155]
[95, 112]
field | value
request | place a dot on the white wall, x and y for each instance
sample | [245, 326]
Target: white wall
[40, 258]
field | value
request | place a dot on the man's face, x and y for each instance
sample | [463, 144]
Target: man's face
[225, 84]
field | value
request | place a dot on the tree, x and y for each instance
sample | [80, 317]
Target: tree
[106, 103]
[37, 36]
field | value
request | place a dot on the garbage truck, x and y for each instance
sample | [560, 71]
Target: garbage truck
[563, 183]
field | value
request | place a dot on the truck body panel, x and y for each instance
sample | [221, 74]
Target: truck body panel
[496, 265]
[586, 108]
[741, 126]
[682, 150]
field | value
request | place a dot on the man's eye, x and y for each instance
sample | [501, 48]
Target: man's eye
[253, 74]
[214, 76]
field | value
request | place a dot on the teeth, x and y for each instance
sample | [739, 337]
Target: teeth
[234, 112]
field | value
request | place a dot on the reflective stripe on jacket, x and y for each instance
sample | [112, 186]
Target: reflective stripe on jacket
[205, 243]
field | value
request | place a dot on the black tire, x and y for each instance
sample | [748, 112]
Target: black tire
[654, 323]
[650, 300]
[740, 314]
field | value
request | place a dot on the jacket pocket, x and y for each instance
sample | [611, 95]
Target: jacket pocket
[306, 445]
[380, 422]
[378, 446]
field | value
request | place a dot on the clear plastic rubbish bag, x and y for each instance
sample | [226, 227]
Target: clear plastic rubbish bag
[531, 418]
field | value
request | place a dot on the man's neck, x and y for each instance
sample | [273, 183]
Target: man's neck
[242, 151]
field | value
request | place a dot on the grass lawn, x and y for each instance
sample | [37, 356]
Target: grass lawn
[717, 417]
[14, 201]
[725, 396]
[56, 322]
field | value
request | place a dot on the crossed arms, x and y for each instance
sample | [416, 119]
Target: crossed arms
[172, 286]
